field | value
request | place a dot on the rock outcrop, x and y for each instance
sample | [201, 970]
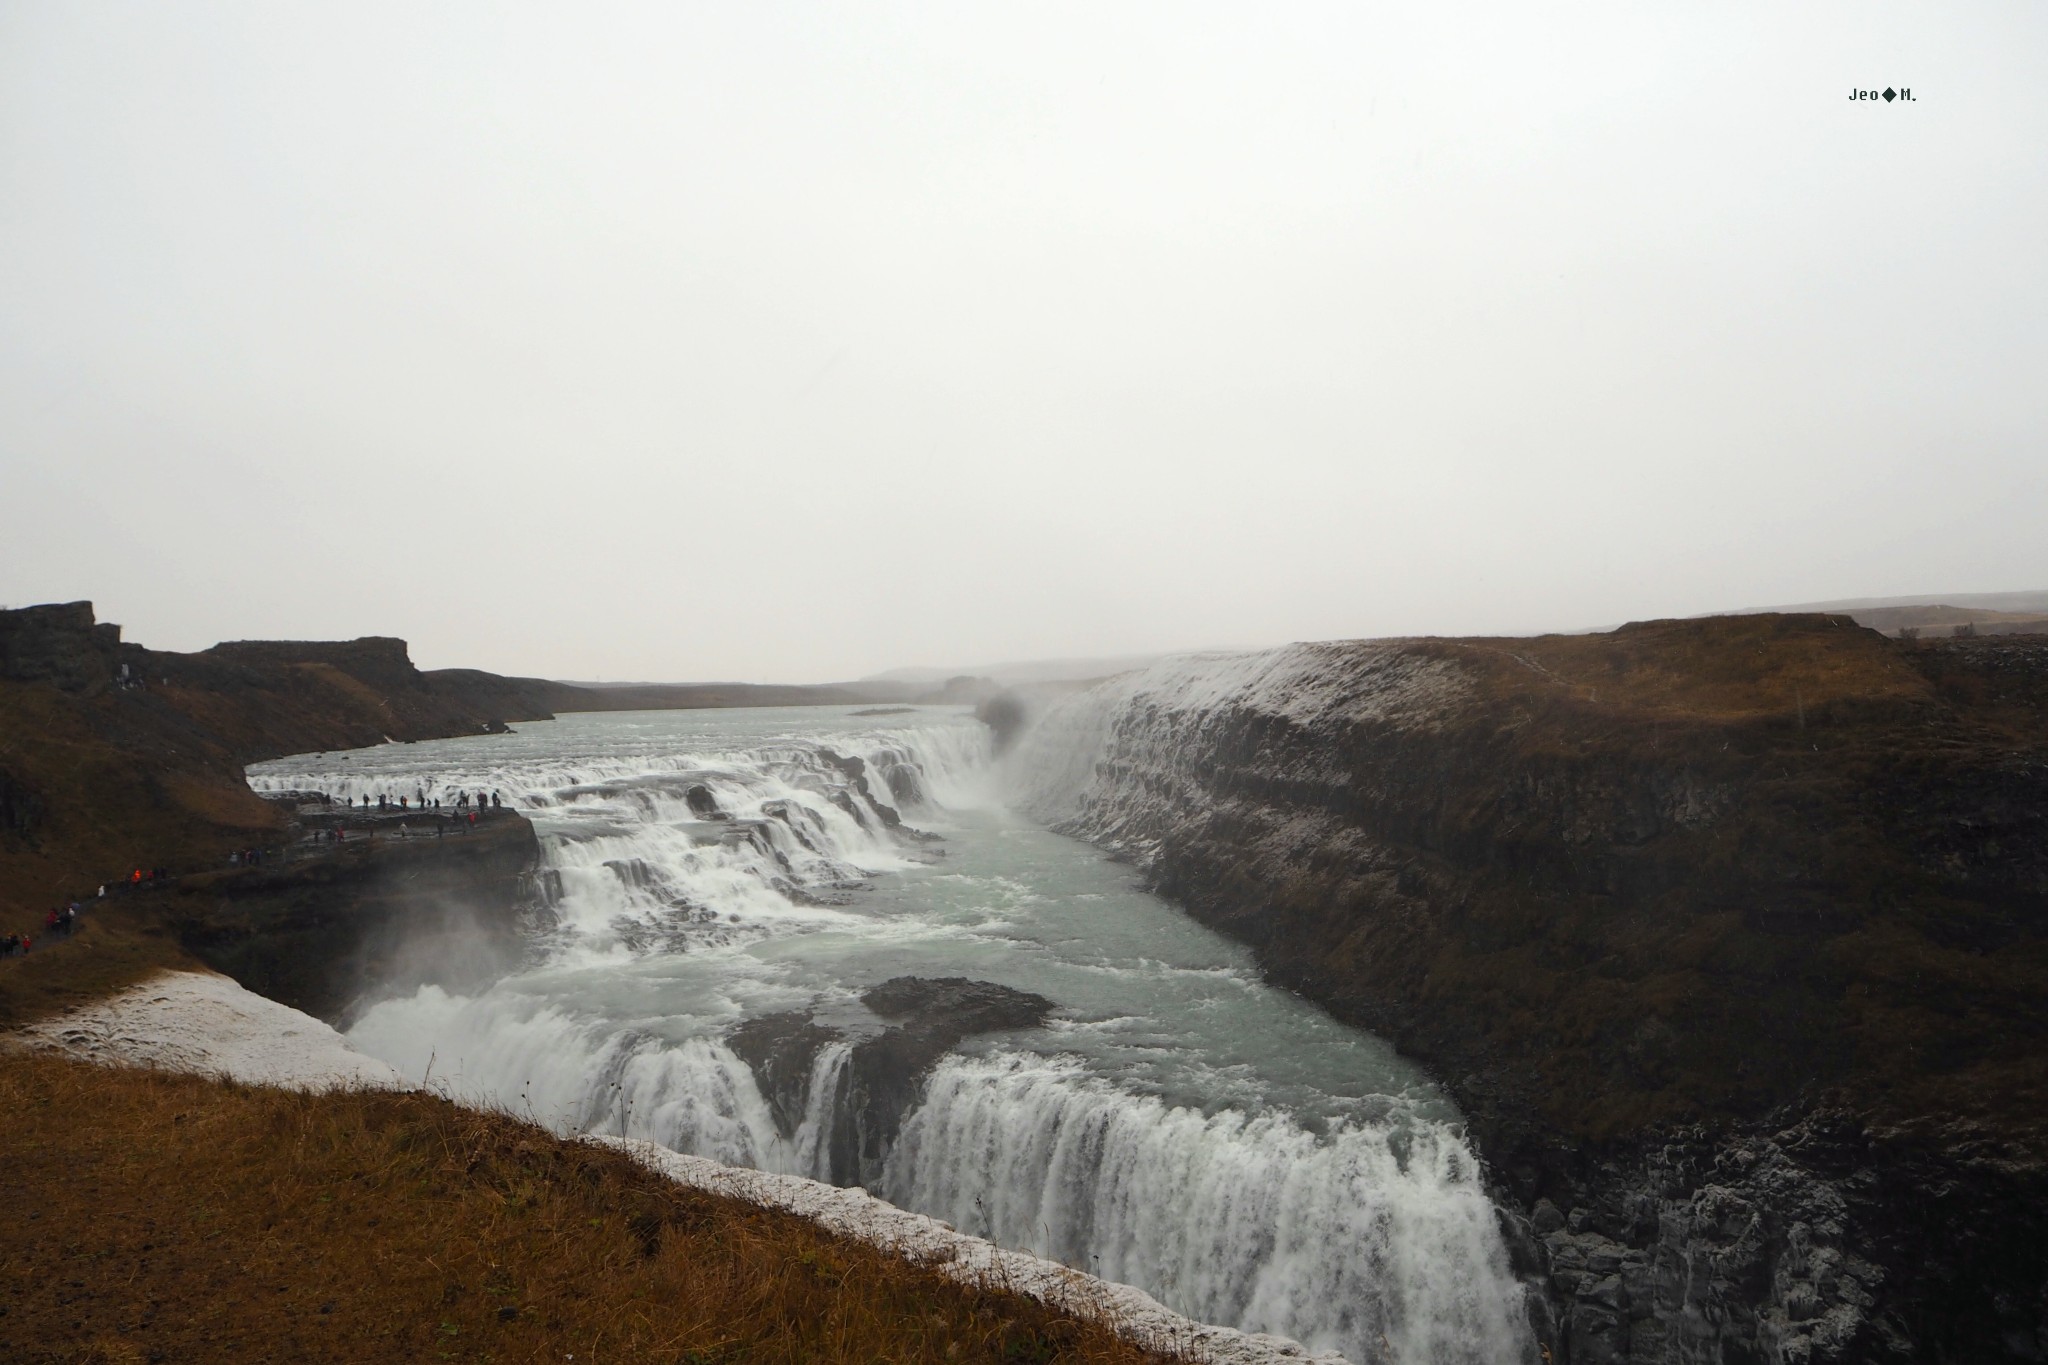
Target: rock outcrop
[60, 644]
[334, 931]
[114, 757]
[1730, 936]
[922, 1019]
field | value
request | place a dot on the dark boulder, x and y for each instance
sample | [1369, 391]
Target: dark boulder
[856, 773]
[929, 1017]
[925, 1018]
[780, 1050]
[703, 804]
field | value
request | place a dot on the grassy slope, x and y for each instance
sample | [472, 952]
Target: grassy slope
[192, 1220]
[118, 783]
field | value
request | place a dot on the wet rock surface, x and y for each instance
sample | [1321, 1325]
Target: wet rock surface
[1811, 1238]
[856, 772]
[922, 1019]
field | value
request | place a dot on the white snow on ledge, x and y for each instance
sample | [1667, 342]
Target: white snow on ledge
[208, 1025]
[1132, 1313]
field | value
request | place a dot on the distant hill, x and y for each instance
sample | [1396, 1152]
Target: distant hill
[1025, 671]
[2022, 602]
[1981, 613]
[959, 690]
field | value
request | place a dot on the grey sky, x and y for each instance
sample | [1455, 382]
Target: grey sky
[799, 342]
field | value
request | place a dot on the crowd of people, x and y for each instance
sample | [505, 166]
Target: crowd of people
[62, 922]
[59, 923]
[420, 801]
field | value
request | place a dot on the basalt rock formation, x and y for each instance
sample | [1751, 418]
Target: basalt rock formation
[333, 931]
[922, 1019]
[1730, 936]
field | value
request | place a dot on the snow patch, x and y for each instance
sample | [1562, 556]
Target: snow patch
[1132, 1313]
[206, 1024]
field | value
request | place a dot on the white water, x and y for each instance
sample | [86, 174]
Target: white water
[1177, 1125]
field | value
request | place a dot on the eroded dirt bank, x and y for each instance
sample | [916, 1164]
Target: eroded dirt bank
[1727, 934]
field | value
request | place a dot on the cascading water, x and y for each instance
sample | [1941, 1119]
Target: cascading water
[1174, 1124]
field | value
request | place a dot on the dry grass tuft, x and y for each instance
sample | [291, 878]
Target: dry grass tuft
[155, 1217]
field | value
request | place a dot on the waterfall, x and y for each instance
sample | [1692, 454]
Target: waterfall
[1366, 1234]
[711, 870]
[655, 851]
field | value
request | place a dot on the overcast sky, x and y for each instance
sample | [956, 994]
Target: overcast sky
[798, 342]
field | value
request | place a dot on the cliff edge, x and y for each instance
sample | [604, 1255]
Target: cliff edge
[1727, 934]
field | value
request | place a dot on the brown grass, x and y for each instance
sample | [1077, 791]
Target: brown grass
[154, 1217]
[1719, 669]
[119, 787]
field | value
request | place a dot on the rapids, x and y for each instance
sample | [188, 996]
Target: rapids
[1175, 1124]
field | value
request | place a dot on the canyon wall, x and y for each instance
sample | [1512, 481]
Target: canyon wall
[114, 758]
[1726, 934]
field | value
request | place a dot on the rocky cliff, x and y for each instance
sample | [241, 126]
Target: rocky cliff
[113, 756]
[334, 929]
[1728, 935]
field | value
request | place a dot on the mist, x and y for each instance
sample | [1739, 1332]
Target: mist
[795, 343]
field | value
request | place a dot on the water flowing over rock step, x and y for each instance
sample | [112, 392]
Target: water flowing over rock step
[883, 1071]
[1135, 1314]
